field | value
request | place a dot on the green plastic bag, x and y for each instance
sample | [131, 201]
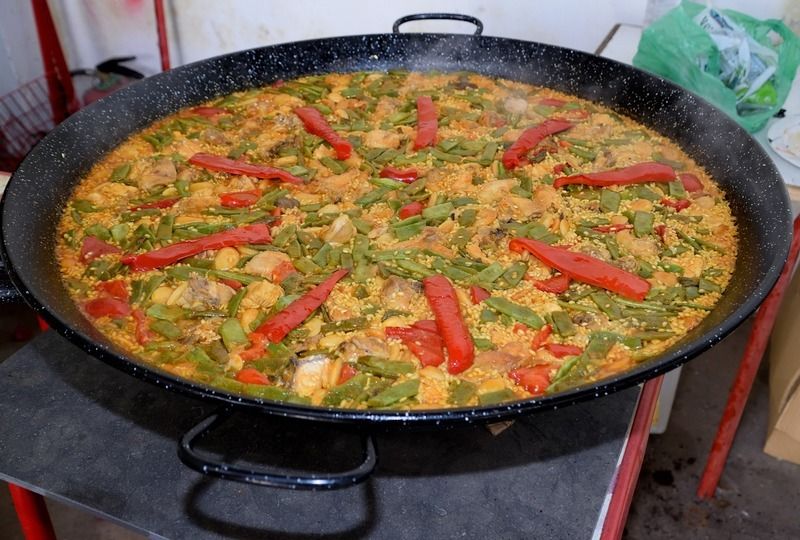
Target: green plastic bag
[675, 47]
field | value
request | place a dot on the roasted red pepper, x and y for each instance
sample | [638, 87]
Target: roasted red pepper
[107, 307]
[478, 294]
[142, 332]
[347, 373]
[641, 173]
[612, 228]
[283, 270]
[411, 209]
[680, 204]
[457, 340]
[690, 182]
[256, 349]
[560, 350]
[252, 376]
[115, 289]
[552, 102]
[427, 123]
[422, 339]
[208, 112]
[661, 231]
[404, 175]
[534, 379]
[556, 285]
[158, 258]
[513, 157]
[541, 337]
[276, 327]
[92, 248]
[558, 168]
[232, 166]
[585, 268]
[240, 199]
[316, 124]
[232, 283]
[161, 203]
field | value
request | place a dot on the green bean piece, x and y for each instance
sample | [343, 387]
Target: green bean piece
[306, 265]
[706, 285]
[645, 269]
[347, 391]
[83, 206]
[692, 293]
[562, 323]
[383, 367]
[414, 267]
[600, 344]
[577, 307]
[166, 313]
[708, 245]
[462, 237]
[653, 335]
[120, 173]
[98, 231]
[393, 254]
[395, 393]
[467, 217]
[642, 223]
[347, 325]
[409, 230]
[490, 274]
[660, 158]
[607, 305]
[244, 279]
[644, 192]
[335, 166]
[439, 212]
[164, 231]
[321, 257]
[609, 200]
[232, 333]
[676, 190]
[519, 313]
[119, 232]
[498, 396]
[360, 248]
[514, 273]
[166, 328]
[235, 301]
[581, 152]
[672, 267]
[284, 236]
[461, 392]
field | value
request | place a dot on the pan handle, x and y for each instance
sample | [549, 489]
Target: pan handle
[439, 16]
[265, 477]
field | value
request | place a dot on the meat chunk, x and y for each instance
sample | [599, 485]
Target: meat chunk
[200, 293]
[265, 263]
[397, 293]
[160, 173]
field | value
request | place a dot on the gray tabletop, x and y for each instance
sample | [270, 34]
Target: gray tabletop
[79, 431]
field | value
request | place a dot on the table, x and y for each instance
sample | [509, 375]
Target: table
[104, 441]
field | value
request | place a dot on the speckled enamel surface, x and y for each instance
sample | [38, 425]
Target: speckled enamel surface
[40, 187]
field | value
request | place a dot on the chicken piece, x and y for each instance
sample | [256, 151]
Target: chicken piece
[363, 346]
[379, 138]
[160, 173]
[340, 231]
[546, 196]
[515, 105]
[397, 293]
[109, 192]
[261, 294]
[505, 358]
[639, 247]
[665, 279]
[200, 293]
[338, 184]
[519, 208]
[496, 190]
[265, 263]
[310, 374]
[196, 203]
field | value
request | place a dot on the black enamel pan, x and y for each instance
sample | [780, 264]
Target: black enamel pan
[40, 187]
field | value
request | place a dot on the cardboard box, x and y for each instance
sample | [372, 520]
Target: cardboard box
[783, 434]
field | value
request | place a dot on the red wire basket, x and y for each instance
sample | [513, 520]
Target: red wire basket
[26, 117]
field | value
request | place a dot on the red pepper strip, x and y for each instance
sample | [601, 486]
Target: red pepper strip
[423, 343]
[256, 349]
[240, 199]
[641, 173]
[661, 231]
[142, 332]
[316, 124]
[428, 325]
[512, 158]
[232, 283]
[115, 289]
[534, 379]
[552, 102]
[347, 373]
[107, 307]
[404, 175]
[558, 168]
[161, 203]
[612, 228]
[250, 375]
[93, 248]
[681, 204]
[208, 112]
[690, 182]
[556, 285]
[232, 166]
[585, 268]
[411, 209]
[427, 123]
[276, 327]
[541, 337]
[457, 340]
[158, 258]
[478, 294]
[282, 271]
[560, 350]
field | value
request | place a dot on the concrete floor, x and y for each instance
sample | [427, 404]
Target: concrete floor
[758, 497]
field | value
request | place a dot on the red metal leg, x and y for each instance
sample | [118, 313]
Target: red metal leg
[161, 26]
[631, 464]
[32, 514]
[743, 383]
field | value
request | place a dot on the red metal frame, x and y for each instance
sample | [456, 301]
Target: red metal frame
[743, 383]
[628, 473]
[32, 514]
